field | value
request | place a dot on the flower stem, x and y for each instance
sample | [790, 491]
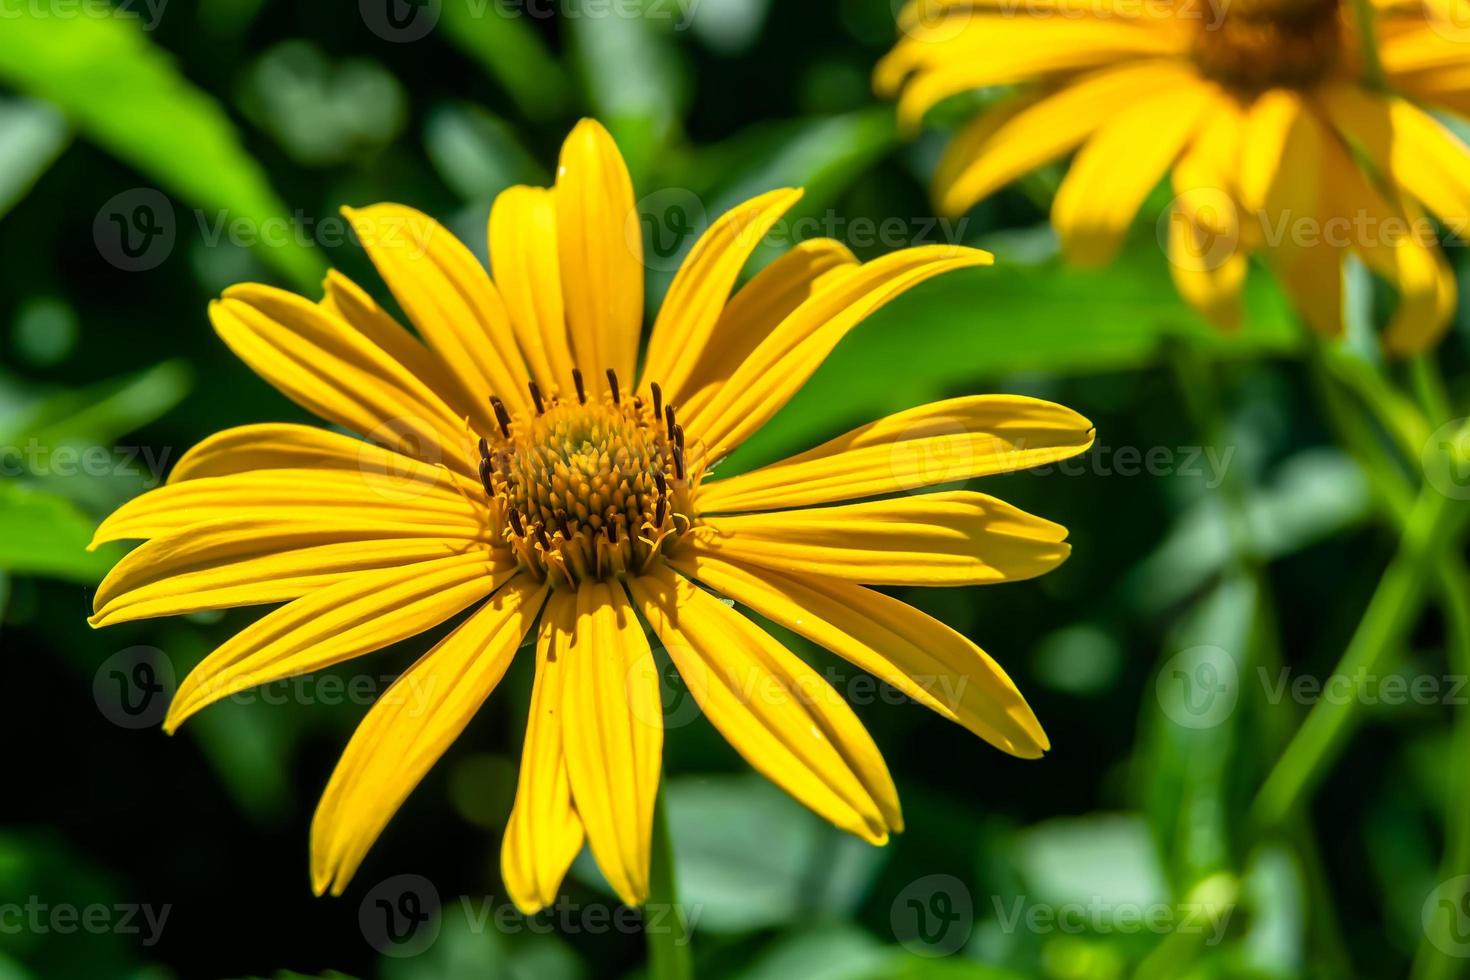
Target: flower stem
[665, 927]
[1368, 43]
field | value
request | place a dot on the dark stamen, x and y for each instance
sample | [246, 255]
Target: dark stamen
[612, 533]
[658, 399]
[581, 386]
[612, 380]
[541, 539]
[679, 437]
[536, 397]
[669, 418]
[658, 513]
[566, 528]
[484, 448]
[485, 477]
[515, 523]
[678, 463]
[501, 415]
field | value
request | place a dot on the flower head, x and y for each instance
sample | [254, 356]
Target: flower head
[1279, 139]
[516, 463]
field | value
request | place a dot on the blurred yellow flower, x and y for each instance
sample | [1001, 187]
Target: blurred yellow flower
[1278, 138]
[510, 467]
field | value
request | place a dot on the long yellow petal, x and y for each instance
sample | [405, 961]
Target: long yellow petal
[545, 832]
[777, 712]
[449, 298]
[1208, 226]
[795, 349]
[333, 371]
[1117, 168]
[756, 310]
[290, 495]
[913, 652]
[410, 727]
[944, 442]
[527, 268]
[601, 245]
[957, 538]
[364, 613]
[234, 562]
[699, 292]
[613, 732]
[1003, 144]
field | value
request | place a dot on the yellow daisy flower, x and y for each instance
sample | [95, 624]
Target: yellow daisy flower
[1277, 137]
[510, 467]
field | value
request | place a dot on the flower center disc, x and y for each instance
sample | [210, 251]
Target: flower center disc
[1253, 45]
[588, 489]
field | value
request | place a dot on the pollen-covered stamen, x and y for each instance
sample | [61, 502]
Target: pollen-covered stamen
[1253, 45]
[592, 488]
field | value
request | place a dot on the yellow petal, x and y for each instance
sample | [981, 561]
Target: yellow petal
[613, 733]
[957, 538]
[282, 446]
[410, 727]
[235, 562]
[756, 310]
[328, 368]
[1408, 147]
[1278, 156]
[1207, 225]
[364, 499]
[697, 297]
[944, 442]
[449, 298]
[796, 348]
[600, 241]
[364, 613]
[913, 652]
[1118, 167]
[527, 267]
[545, 832]
[1003, 144]
[773, 709]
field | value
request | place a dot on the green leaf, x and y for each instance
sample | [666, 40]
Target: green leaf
[511, 50]
[979, 325]
[478, 154]
[32, 135]
[124, 94]
[44, 534]
[100, 413]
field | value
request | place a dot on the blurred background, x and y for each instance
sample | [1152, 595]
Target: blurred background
[153, 153]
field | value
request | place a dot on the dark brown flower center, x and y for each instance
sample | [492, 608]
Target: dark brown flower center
[589, 489]
[1253, 45]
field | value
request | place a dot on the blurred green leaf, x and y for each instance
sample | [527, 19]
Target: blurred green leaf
[511, 50]
[478, 154]
[978, 325]
[97, 414]
[836, 952]
[45, 534]
[125, 94]
[32, 135]
[1110, 858]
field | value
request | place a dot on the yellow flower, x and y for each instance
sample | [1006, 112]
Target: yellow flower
[511, 466]
[1277, 140]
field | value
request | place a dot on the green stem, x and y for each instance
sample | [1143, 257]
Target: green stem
[1368, 43]
[665, 927]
